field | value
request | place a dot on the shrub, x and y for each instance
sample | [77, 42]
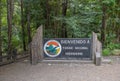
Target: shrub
[106, 52]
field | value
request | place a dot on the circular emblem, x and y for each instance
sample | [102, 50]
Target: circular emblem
[52, 48]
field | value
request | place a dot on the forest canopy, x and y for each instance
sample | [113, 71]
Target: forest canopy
[19, 20]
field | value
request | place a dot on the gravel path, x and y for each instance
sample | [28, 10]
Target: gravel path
[23, 71]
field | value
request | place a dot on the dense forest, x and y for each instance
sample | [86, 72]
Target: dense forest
[19, 20]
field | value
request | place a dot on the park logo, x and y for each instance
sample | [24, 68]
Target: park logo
[52, 48]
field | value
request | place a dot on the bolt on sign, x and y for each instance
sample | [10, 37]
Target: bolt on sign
[67, 48]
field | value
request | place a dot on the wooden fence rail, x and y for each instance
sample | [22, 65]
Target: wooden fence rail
[13, 58]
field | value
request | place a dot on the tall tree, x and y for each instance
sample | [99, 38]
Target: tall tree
[29, 34]
[118, 30]
[28, 22]
[104, 23]
[0, 31]
[47, 16]
[28, 28]
[56, 22]
[64, 13]
[9, 21]
[23, 26]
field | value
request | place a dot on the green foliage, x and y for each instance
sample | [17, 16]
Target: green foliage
[111, 49]
[116, 52]
[108, 2]
[106, 52]
[82, 17]
[113, 46]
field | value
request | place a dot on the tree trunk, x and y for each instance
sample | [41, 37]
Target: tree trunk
[56, 22]
[27, 21]
[28, 28]
[64, 11]
[103, 29]
[118, 32]
[29, 35]
[23, 27]
[0, 32]
[9, 21]
[47, 14]
[118, 35]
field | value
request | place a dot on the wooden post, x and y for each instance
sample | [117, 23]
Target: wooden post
[94, 38]
[36, 46]
[98, 53]
[96, 50]
[98, 59]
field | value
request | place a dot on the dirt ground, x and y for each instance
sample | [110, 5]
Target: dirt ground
[23, 71]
